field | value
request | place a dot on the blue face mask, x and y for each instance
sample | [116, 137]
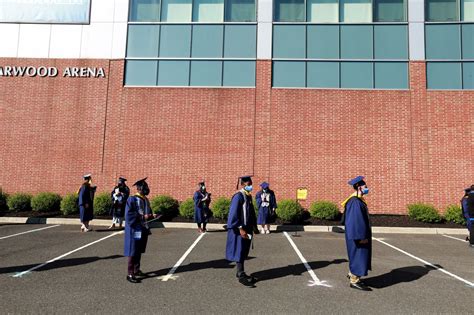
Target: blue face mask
[365, 191]
[248, 188]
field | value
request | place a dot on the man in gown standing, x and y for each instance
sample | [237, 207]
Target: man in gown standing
[241, 225]
[358, 234]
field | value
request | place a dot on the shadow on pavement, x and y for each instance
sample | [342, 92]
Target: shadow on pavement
[212, 264]
[57, 264]
[398, 275]
[293, 270]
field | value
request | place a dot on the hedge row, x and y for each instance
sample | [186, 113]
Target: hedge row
[288, 210]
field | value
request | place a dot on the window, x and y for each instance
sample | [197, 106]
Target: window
[207, 41]
[206, 73]
[468, 41]
[289, 41]
[323, 41]
[145, 11]
[239, 73]
[443, 41]
[323, 11]
[240, 11]
[441, 10]
[389, 11]
[173, 73]
[176, 11]
[175, 41]
[141, 72]
[208, 11]
[356, 42]
[143, 40]
[391, 75]
[468, 75]
[289, 74]
[289, 11]
[240, 41]
[391, 41]
[357, 75]
[444, 75]
[323, 74]
[467, 10]
[356, 11]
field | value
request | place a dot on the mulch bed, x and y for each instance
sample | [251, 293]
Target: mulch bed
[376, 220]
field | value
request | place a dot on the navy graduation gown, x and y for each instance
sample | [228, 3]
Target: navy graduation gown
[86, 196]
[465, 213]
[201, 208]
[264, 213]
[241, 214]
[135, 210]
[357, 227]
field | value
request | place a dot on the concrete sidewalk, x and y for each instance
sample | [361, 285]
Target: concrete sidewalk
[215, 226]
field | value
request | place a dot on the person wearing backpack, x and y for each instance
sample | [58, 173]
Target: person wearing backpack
[467, 206]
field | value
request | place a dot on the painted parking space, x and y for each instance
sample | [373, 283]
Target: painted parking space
[93, 279]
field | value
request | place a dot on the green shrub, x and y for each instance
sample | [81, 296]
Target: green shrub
[69, 204]
[221, 208]
[423, 213]
[454, 214]
[102, 204]
[326, 210]
[3, 201]
[165, 205]
[289, 210]
[186, 208]
[46, 202]
[19, 202]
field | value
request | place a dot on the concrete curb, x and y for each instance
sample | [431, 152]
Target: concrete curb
[216, 226]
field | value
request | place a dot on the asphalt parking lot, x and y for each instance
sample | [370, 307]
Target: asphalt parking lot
[57, 269]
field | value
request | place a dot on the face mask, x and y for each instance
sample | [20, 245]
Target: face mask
[365, 191]
[248, 188]
[203, 188]
[264, 190]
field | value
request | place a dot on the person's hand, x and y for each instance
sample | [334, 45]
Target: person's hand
[364, 241]
[243, 234]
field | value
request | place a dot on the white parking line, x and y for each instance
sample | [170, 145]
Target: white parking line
[20, 274]
[316, 280]
[469, 283]
[454, 238]
[30, 231]
[180, 261]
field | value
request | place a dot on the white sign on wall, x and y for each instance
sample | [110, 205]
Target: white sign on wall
[45, 11]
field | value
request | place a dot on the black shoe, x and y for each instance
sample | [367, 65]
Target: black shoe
[360, 286]
[246, 281]
[132, 279]
[140, 273]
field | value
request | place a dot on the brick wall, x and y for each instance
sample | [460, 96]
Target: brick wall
[412, 145]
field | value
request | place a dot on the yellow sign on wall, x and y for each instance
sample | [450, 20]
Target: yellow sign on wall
[301, 194]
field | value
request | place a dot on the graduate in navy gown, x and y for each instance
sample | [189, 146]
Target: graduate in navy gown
[86, 202]
[202, 199]
[241, 225]
[266, 205]
[137, 212]
[358, 234]
[119, 196]
[467, 206]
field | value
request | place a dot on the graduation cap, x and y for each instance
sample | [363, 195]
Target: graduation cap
[264, 185]
[357, 181]
[202, 183]
[140, 182]
[122, 179]
[87, 176]
[468, 189]
[244, 179]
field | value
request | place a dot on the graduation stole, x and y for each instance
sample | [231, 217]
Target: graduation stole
[353, 195]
